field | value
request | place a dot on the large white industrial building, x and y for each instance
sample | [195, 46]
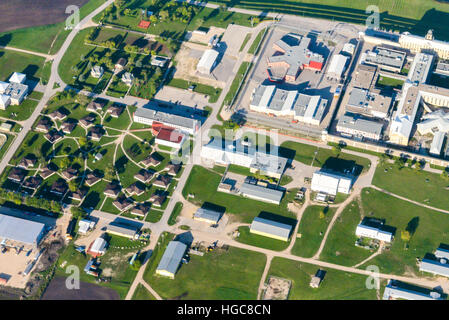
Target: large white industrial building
[21, 230]
[330, 183]
[279, 102]
[234, 152]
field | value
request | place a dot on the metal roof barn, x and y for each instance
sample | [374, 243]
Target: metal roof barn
[21, 230]
[207, 215]
[261, 193]
[171, 259]
[207, 61]
[270, 228]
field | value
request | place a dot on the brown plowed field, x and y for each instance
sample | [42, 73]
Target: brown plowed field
[17, 14]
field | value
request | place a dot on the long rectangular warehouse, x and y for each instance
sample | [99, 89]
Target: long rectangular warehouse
[171, 259]
[440, 267]
[270, 228]
[261, 193]
[21, 230]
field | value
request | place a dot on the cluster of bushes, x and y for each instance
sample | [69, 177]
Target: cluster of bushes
[20, 199]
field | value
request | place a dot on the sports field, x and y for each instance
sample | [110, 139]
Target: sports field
[413, 15]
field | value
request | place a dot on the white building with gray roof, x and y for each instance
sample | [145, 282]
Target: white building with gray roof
[234, 152]
[270, 228]
[148, 116]
[21, 230]
[261, 193]
[436, 266]
[207, 215]
[279, 102]
[398, 290]
[355, 126]
[385, 58]
[171, 259]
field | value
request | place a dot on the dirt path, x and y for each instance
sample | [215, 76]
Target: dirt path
[264, 276]
[340, 209]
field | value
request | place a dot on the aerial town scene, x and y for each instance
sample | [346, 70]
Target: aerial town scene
[224, 150]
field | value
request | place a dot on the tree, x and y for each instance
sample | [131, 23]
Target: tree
[77, 212]
[82, 141]
[153, 19]
[73, 185]
[336, 149]
[136, 264]
[64, 162]
[109, 173]
[405, 236]
[163, 14]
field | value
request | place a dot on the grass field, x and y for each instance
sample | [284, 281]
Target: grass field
[324, 158]
[142, 294]
[428, 229]
[337, 285]
[389, 82]
[212, 276]
[203, 184]
[425, 187]
[416, 16]
[13, 61]
[310, 227]
[260, 241]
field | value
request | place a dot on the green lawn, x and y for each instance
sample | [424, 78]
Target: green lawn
[310, 227]
[425, 187]
[337, 285]
[203, 184]
[256, 42]
[428, 228]
[13, 61]
[260, 241]
[142, 293]
[175, 213]
[245, 41]
[305, 153]
[212, 276]
[389, 82]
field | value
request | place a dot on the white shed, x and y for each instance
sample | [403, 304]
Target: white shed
[207, 61]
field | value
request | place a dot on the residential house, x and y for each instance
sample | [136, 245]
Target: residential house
[162, 181]
[123, 203]
[140, 209]
[144, 176]
[17, 174]
[135, 189]
[112, 190]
